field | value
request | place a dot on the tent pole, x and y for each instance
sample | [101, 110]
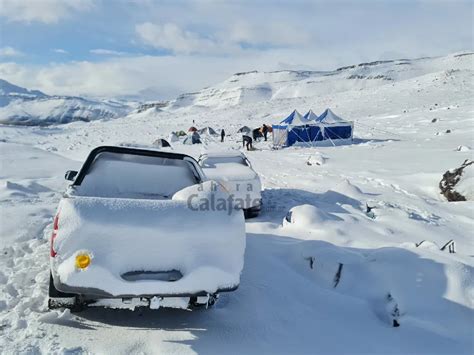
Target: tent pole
[315, 138]
[309, 145]
[331, 141]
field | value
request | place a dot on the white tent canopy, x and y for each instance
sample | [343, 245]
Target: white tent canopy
[295, 119]
[330, 117]
[310, 116]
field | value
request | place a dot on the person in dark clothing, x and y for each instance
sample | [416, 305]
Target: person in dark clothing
[256, 134]
[222, 135]
[247, 142]
[265, 131]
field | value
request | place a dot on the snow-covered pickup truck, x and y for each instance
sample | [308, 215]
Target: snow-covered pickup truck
[131, 230]
[233, 171]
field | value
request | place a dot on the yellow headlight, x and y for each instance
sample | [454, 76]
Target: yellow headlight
[82, 261]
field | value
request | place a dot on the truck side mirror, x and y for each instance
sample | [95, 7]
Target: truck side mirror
[70, 175]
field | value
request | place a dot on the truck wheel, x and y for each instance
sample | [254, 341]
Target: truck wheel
[54, 292]
[59, 300]
[251, 212]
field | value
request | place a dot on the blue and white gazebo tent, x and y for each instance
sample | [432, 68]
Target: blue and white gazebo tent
[294, 128]
[335, 127]
[311, 129]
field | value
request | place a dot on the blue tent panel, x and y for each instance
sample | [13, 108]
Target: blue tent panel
[338, 132]
[315, 133]
[299, 134]
[293, 136]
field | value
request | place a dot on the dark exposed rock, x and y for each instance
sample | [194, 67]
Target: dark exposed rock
[463, 54]
[449, 181]
[156, 105]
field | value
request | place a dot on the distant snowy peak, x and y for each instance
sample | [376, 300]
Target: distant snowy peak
[10, 92]
[7, 88]
[20, 106]
[254, 86]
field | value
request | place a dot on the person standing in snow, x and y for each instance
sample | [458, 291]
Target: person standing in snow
[247, 142]
[265, 131]
[222, 135]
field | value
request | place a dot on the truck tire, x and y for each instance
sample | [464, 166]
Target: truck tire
[251, 212]
[59, 300]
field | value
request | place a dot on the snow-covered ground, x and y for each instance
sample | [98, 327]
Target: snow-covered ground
[294, 297]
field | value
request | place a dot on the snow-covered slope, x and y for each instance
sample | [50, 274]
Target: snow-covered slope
[252, 87]
[20, 106]
[288, 301]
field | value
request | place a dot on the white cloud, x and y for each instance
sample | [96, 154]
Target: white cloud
[171, 37]
[10, 52]
[60, 51]
[268, 34]
[209, 41]
[107, 52]
[229, 39]
[170, 75]
[46, 11]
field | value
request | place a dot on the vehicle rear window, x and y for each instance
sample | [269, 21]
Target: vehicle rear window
[136, 176]
[211, 162]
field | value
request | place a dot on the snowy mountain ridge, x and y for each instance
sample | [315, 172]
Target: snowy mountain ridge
[21, 106]
[254, 86]
[9, 92]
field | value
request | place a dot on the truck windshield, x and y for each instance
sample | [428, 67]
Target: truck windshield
[135, 176]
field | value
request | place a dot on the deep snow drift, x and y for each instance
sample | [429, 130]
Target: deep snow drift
[359, 252]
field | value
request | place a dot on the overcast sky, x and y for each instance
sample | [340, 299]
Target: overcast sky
[162, 48]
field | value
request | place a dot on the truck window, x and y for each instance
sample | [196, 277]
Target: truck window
[135, 176]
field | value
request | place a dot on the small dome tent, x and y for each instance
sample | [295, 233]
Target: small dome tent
[207, 130]
[173, 137]
[192, 129]
[162, 143]
[194, 138]
[180, 133]
[244, 129]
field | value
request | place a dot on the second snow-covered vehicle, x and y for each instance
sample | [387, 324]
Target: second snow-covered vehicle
[128, 232]
[233, 171]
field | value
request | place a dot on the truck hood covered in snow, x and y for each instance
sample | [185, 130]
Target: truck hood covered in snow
[149, 236]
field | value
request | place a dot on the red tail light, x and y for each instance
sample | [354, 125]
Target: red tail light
[53, 236]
